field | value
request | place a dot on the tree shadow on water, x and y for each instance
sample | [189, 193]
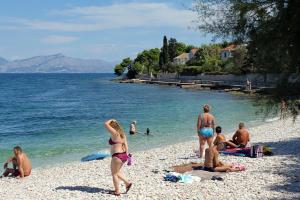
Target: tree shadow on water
[85, 189]
[290, 150]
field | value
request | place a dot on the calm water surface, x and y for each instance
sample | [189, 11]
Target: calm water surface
[59, 117]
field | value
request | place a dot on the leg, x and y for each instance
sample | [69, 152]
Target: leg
[122, 177]
[202, 141]
[116, 165]
[231, 144]
[222, 169]
[210, 141]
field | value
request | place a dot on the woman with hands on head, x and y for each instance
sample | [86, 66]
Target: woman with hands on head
[119, 152]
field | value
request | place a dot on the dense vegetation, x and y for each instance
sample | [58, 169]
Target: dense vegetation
[271, 30]
[206, 59]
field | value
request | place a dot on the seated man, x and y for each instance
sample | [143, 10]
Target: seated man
[220, 137]
[240, 138]
[212, 162]
[21, 164]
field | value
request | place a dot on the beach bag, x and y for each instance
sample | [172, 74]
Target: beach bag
[256, 151]
[129, 160]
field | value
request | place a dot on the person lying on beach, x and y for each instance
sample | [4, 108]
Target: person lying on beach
[21, 164]
[220, 137]
[119, 152]
[212, 162]
[240, 138]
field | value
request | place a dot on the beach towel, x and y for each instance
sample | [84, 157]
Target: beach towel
[245, 152]
[181, 178]
[195, 169]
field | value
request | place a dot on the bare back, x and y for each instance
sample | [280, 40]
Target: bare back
[206, 120]
[241, 136]
[211, 158]
[24, 163]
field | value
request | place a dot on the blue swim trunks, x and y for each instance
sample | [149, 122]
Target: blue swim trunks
[206, 132]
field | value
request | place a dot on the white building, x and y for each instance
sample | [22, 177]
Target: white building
[185, 57]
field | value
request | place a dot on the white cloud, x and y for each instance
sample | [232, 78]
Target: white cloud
[115, 16]
[58, 39]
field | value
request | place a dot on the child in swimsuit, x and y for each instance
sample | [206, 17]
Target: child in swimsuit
[220, 137]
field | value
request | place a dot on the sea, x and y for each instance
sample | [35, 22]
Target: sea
[58, 118]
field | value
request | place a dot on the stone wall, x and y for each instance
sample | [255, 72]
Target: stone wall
[257, 80]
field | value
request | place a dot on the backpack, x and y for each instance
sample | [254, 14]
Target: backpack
[256, 151]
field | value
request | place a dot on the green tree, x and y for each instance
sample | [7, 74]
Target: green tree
[165, 54]
[270, 27]
[120, 68]
[148, 59]
[172, 49]
[271, 30]
[180, 48]
[189, 48]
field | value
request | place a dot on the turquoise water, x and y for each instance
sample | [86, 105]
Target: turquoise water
[59, 117]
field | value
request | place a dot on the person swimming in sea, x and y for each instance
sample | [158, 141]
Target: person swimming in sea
[147, 131]
[132, 129]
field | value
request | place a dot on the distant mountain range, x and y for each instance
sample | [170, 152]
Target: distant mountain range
[57, 63]
[2, 61]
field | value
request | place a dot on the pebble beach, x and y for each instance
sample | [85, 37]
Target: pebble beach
[269, 177]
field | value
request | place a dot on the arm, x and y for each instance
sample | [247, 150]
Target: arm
[126, 146]
[199, 122]
[20, 166]
[213, 124]
[110, 129]
[8, 161]
[234, 136]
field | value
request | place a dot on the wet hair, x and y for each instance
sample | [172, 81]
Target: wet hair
[115, 125]
[218, 129]
[18, 148]
[241, 125]
[206, 108]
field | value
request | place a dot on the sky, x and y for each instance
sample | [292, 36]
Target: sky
[93, 29]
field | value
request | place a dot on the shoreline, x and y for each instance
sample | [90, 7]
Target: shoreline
[191, 84]
[274, 177]
[56, 163]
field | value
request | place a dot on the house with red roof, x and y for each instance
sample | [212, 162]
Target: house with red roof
[227, 52]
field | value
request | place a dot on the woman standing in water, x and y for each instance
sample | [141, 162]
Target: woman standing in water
[119, 152]
[205, 129]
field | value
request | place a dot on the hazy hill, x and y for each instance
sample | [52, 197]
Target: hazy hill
[57, 63]
[2, 61]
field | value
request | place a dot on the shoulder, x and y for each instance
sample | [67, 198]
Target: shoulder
[222, 136]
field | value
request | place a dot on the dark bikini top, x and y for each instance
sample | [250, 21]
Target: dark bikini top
[111, 142]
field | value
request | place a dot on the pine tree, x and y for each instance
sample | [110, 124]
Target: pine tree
[165, 53]
[172, 49]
